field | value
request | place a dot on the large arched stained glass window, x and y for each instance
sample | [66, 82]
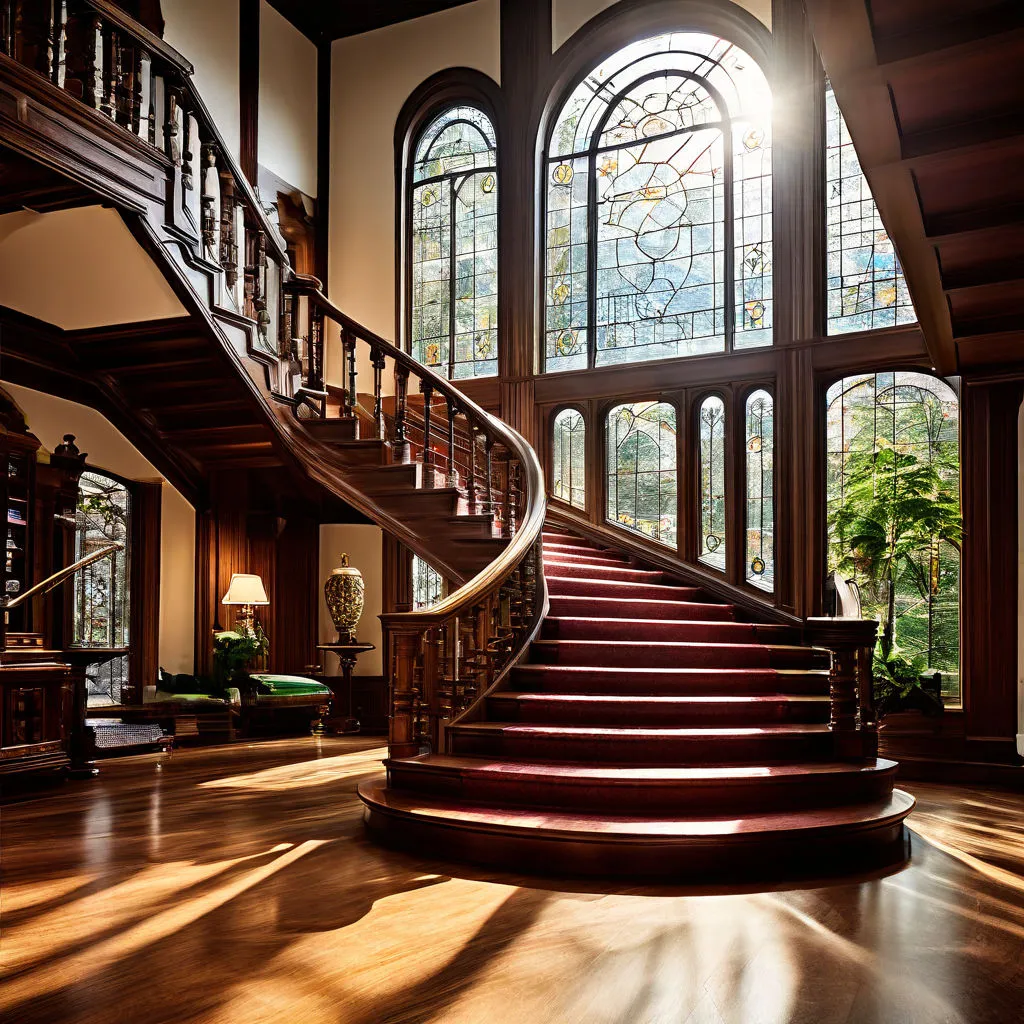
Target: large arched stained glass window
[641, 453]
[453, 245]
[893, 491]
[658, 231]
[865, 285]
[760, 483]
[568, 458]
[711, 428]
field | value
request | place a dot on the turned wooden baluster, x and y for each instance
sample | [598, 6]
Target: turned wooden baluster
[211, 204]
[378, 362]
[111, 72]
[228, 240]
[506, 509]
[453, 411]
[400, 442]
[471, 481]
[427, 390]
[173, 125]
[488, 446]
[315, 378]
[83, 76]
[351, 396]
[33, 35]
[58, 58]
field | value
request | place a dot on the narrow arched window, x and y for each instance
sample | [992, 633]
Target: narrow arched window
[711, 429]
[102, 591]
[568, 458]
[865, 284]
[641, 458]
[894, 526]
[427, 584]
[453, 245]
[658, 220]
[760, 483]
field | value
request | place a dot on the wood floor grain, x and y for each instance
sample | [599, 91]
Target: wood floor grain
[236, 885]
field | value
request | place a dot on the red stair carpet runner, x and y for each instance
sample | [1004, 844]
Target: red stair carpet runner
[650, 734]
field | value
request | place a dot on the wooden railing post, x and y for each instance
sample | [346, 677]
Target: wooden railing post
[471, 481]
[427, 390]
[378, 362]
[852, 719]
[400, 443]
[453, 411]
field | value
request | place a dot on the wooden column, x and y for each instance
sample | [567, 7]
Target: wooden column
[144, 629]
[525, 60]
[323, 159]
[249, 88]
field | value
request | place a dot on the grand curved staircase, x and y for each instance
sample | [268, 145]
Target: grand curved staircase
[648, 733]
[566, 708]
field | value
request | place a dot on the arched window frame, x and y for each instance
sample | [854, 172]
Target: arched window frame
[604, 413]
[453, 87]
[953, 384]
[587, 441]
[728, 538]
[602, 37]
[742, 500]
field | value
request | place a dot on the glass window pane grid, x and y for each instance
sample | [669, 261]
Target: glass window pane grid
[427, 585]
[661, 278]
[568, 470]
[711, 428]
[911, 415]
[760, 500]
[865, 286]
[454, 246]
[640, 443]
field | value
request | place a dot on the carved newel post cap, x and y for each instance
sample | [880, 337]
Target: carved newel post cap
[68, 449]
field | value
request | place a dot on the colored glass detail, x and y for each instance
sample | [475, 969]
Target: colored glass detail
[658, 219]
[711, 428]
[760, 483]
[641, 469]
[453, 249]
[865, 285]
[893, 494]
[568, 458]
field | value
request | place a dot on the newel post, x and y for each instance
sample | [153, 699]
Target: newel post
[851, 645]
[402, 739]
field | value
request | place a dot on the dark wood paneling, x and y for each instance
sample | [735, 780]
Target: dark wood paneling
[249, 87]
[144, 630]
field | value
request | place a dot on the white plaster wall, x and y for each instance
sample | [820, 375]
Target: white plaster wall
[364, 545]
[287, 112]
[49, 418]
[569, 16]
[80, 268]
[206, 32]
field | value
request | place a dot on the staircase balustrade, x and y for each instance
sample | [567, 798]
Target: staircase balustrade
[445, 657]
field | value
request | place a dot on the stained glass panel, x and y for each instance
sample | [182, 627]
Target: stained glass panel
[568, 458]
[711, 426]
[865, 284]
[659, 207]
[427, 585]
[760, 482]
[640, 442]
[454, 246]
[893, 493]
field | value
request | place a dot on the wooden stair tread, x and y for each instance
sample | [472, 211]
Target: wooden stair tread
[629, 774]
[580, 826]
[662, 700]
[632, 732]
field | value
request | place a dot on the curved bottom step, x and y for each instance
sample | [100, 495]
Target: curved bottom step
[856, 837]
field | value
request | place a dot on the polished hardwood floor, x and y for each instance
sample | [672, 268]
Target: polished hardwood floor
[236, 884]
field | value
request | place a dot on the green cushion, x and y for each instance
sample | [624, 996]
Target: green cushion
[291, 686]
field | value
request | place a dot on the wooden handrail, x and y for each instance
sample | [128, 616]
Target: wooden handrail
[153, 43]
[55, 579]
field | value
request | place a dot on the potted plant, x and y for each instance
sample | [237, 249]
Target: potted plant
[232, 654]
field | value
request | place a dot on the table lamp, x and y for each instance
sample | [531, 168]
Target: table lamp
[247, 590]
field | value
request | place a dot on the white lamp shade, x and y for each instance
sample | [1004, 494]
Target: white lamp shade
[246, 588]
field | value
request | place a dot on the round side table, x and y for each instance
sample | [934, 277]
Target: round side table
[347, 655]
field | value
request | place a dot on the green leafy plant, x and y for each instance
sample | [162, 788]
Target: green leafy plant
[232, 653]
[897, 683]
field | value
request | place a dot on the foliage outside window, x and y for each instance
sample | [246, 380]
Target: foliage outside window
[102, 593]
[427, 585]
[641, 454]
[865, 284]
[568, 472]
[711, 427]
[658, 220]
[453, 247]
[893, 490]
[760, 483]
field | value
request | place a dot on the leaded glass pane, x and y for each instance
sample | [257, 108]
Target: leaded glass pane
[568, 458]
[454, 246]
[641, 469]
[893, 493]
[865, 284]
[102, 598]
[427, 585]
[760, 482]
[658, 167]
[712, 482]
